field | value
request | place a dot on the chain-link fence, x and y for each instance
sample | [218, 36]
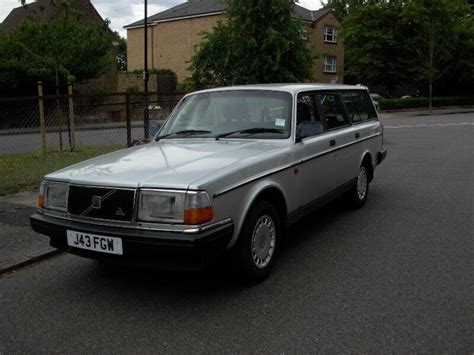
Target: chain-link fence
[44, 133]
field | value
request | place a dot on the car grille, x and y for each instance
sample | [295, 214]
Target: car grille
[101, 203]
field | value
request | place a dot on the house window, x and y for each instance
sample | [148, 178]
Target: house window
[304, 33]
[330, 65]
[330, 35]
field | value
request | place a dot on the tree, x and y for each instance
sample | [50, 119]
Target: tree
[60, 50]
[441, 32]
[259, 42]
[56, 49]
[121, 46]
[376, 49]
[407, 42]
[341, 7]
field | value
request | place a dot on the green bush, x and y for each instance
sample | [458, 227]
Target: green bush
[133, 89]
[423, 102]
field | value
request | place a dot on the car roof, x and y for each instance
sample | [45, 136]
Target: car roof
[292, 88]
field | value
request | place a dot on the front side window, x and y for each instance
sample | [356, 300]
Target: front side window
[332, 111]
[330, 65]
[308, 120]
[262, 114]
[330, 34]
[359, 106]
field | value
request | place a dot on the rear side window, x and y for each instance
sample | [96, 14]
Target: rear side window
[332, 111]
[359, 105]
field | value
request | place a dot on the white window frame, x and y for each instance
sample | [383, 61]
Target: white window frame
[330, 34]
[330, 65]
[304, 33]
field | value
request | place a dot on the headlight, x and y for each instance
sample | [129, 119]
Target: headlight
[175, 207]
[53, 196]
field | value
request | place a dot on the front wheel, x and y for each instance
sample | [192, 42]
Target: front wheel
[258, 241]
[358, 194]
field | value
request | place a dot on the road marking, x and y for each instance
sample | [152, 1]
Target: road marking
[433, 125]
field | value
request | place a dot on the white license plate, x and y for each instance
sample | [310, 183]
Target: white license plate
[100, 243]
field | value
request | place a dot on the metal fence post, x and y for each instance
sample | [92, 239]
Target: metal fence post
[41, 116]
[72, 126]
[129, 119]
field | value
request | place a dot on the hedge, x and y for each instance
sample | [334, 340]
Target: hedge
[423, 102]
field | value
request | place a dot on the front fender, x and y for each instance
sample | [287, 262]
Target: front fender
[251, 195]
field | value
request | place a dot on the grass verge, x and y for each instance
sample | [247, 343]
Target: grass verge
[24, 171]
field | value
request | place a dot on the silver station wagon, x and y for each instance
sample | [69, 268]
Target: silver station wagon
[229, 170]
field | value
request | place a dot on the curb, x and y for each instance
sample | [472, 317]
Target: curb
[28, 262]
[442, 113]
[439, 108]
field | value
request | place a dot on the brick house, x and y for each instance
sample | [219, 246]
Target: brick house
[173, 35]
[46, 10]
[43, 10]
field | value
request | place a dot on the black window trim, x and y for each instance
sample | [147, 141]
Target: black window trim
[337, 94]
[317, 110]
[347, 110]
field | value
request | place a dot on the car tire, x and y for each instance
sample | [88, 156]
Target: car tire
[359, 192]
[258, 242]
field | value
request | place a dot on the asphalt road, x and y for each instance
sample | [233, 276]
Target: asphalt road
[393, 277]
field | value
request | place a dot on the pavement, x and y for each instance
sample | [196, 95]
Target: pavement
[20, 246]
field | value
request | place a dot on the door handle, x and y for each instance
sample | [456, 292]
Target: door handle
[357, 135]
[332, 142]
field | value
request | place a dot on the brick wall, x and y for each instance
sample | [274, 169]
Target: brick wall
[173, 43]
[322, 49]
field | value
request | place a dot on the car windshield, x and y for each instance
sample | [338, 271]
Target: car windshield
[262, 114]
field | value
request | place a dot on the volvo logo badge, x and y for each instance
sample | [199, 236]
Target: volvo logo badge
[96, 202]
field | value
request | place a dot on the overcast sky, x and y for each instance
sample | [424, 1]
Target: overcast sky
[124, 12]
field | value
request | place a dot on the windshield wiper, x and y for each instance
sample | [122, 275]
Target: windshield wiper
[186, 132]
[250, 131]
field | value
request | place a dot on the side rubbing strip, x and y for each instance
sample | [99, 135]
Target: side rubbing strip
[288, 166]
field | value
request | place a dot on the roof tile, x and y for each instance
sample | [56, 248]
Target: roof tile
[202, 7]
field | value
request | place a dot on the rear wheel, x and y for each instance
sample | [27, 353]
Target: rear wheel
[359, 192]
[258, 241]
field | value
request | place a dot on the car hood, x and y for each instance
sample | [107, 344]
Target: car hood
[166, 164]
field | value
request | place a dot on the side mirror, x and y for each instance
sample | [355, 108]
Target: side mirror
[308, 129]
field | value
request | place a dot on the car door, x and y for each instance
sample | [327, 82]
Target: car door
[343, 137]
[317, 166]
[365, 125]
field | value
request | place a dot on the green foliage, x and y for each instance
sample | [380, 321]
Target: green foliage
[133, 89]
[437, 28]
[188, 85]
[443, 39]
[400, 42]
[121, 52]
[375, 44]
[259, 42]
[340, 7]
[423, 102]
[44, 50]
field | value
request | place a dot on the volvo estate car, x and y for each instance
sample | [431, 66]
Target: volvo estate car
[226, 174]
